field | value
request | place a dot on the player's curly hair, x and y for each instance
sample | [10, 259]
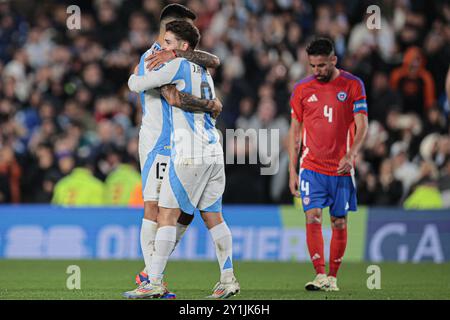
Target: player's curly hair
[186, 31]
[320, 46]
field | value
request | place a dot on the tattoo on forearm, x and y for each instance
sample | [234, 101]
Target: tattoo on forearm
[192, 103]
[184, 101]
[199, 57]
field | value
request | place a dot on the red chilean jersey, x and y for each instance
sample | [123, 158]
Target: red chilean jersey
[327, 110]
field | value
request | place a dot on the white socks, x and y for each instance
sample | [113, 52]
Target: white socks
[181, 229]
[221, 236]
[158, 244]
[164, 244]
[148, 233]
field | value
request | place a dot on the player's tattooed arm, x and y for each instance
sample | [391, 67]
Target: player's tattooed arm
[199, 57]
[190, 103]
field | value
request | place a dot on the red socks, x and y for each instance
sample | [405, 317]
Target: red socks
[314, 240]
[337, 249]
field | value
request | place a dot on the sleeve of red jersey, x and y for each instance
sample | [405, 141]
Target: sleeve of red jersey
[296, 104]
[359, 98]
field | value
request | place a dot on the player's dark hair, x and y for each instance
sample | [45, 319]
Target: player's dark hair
[177, 11]
[184, 30]
[320, 47]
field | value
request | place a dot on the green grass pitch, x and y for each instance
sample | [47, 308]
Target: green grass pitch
[38, 279]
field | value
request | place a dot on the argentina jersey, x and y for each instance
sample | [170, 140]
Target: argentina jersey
[154, 135]
[193, 135]
[155, 127]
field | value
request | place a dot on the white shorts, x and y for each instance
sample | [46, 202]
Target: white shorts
[153, 162]
[189, 186]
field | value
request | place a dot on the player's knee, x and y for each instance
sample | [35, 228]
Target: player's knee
[151, 210]
[165, 218]
[168, 217]
[314, 216]
[339, 223]
[212, 219]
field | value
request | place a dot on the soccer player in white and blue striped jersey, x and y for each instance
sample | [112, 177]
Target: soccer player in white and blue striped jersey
[154, 133]
[196, 175]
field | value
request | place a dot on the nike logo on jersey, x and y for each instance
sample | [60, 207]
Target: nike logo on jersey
[313, 98]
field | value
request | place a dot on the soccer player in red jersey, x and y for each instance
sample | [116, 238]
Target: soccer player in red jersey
[329, 125]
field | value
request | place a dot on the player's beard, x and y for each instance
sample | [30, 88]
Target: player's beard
[325, 78]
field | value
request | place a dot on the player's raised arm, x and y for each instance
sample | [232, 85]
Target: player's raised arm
[153, 79]
[183, 100]
[162, 78]
[199, 57]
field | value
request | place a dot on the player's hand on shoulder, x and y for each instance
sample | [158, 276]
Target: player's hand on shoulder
[157, 59]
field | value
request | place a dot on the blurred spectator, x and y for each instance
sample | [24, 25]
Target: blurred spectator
[80, 187]
[404, 170]
[246, 109]
[434, 122]
[110, 31]
[38, 47]
[376, 148]
[136, 198]
[383, 98]
[244, 183]
[444, 184]
[363, 38]
[388, 190]
[122, 181]
[17, 69]
[10, 174]
[414, 82]
[425, 194]
[39, 181]
[272, 152]
[367, 188]
[428, 147]
[66, 163]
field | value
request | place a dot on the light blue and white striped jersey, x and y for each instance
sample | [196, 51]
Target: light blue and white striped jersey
[155, 128]
[194, 135]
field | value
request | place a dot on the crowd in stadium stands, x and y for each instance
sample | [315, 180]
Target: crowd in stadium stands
[64, 101]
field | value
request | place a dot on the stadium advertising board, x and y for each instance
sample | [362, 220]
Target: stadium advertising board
[260, 233]
[408, 236]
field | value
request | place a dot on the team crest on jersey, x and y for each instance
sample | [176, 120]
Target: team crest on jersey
[306, 201]
[342, 96]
